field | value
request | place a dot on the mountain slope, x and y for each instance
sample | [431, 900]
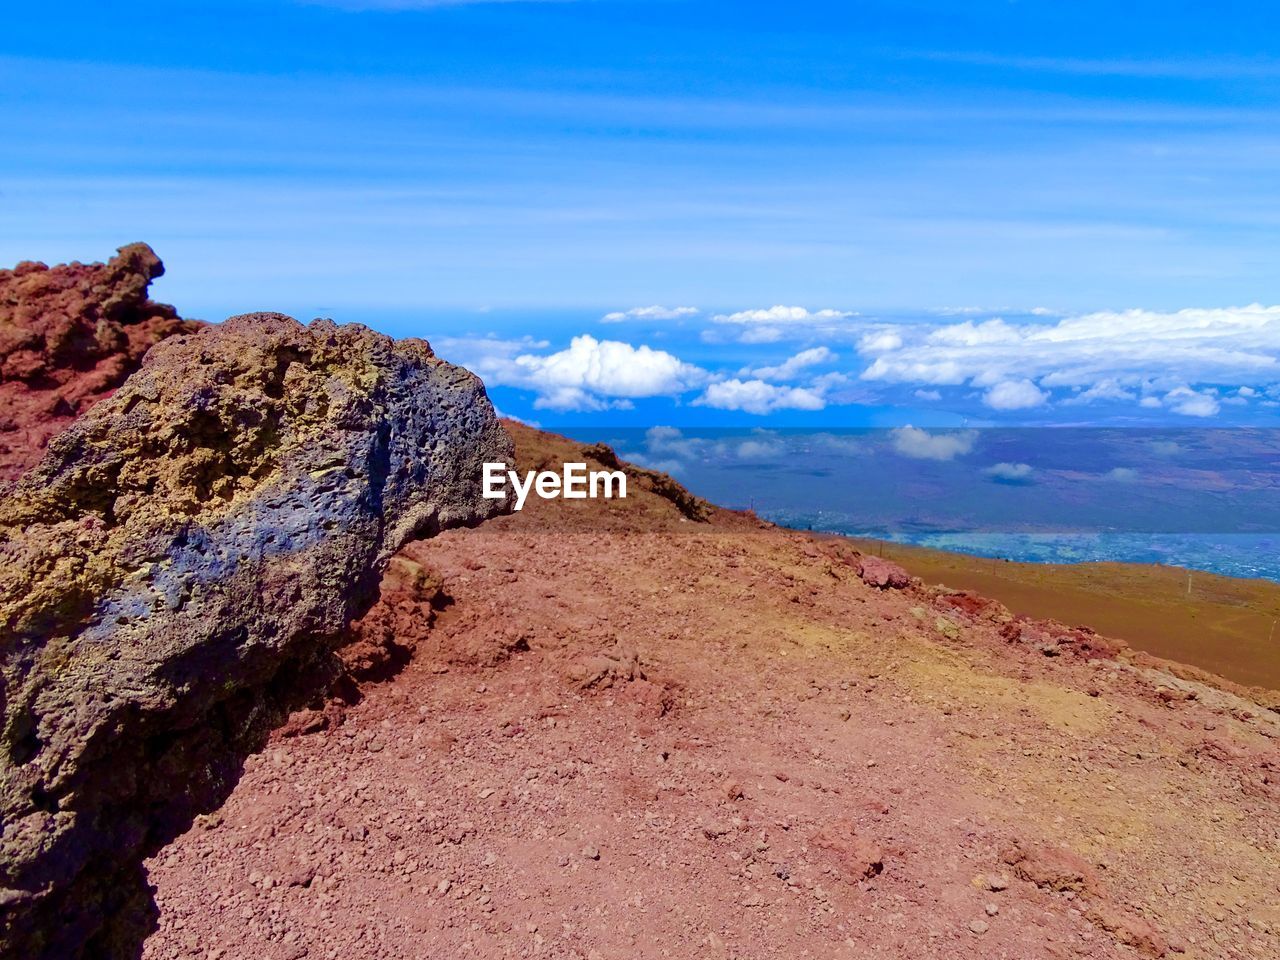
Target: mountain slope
[624, 733]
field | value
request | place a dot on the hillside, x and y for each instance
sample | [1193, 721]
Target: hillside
[641, 727]
[1225, 625]
[624, 733]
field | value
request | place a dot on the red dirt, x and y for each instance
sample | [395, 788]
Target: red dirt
[69, 335]
[633, 735]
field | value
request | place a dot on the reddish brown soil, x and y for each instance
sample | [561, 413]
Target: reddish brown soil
[69, 335]
[633, 735]
[1227, 625]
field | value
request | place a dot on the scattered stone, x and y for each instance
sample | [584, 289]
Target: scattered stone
[978, 927]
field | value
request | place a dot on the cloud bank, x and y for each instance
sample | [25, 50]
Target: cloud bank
[1138, 356]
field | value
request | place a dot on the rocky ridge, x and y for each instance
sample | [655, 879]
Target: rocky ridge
[627, 734]
[642, 728]
[177, 570]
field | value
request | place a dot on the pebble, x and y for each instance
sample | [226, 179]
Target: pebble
[992, 909]
[978, 927]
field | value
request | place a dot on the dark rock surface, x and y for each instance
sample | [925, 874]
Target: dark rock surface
[69, 335]
[174, 575]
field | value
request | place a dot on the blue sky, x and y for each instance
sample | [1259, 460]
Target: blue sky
[969, 212]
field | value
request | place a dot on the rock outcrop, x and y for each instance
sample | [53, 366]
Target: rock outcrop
[692, 507]
[174, 575]
[882, 574]
[69, 335]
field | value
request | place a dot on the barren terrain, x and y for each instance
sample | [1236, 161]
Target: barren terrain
[623, 733]
[1227, 625]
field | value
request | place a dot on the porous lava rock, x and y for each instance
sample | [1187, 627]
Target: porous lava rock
[69, 335]
[180, 562]
[883, 574]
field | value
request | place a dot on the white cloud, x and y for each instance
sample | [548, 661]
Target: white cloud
[1105, 355]
[1121, 474]
[879, 341]
[670, 443]
[772, 324]
[1103, 390]
[959, 311]
[779, 315]
[512, 416]
[649, 313]
[589, 374]
[761, 335]
[1014, 395]
[1010, 472]
[922, 445]
[759, 397]
[758, 449]
[1190, 403]
[469, 351]
[970, 334]
[931, 395]
[793, 366]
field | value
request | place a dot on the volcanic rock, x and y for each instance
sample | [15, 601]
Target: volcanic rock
[69, 335]
[174, 575]
[884, 574]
